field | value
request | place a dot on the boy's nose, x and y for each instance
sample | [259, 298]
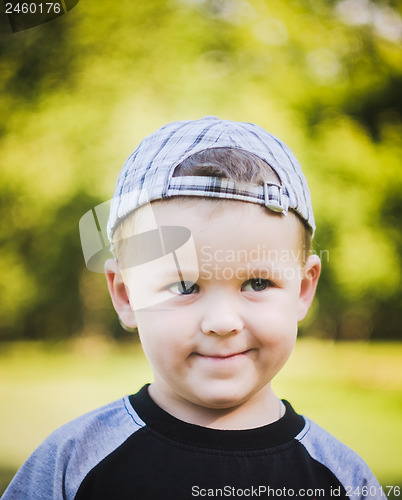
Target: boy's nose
[221, 318]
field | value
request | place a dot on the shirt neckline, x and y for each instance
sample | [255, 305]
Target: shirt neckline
[268, 436]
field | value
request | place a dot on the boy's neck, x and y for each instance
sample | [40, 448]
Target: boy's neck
[262, 409]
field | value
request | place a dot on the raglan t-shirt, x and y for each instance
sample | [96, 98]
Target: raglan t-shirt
[132, 449]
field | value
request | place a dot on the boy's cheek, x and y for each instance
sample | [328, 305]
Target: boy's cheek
[157, 323]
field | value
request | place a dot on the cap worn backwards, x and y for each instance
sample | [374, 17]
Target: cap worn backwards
[147, 175]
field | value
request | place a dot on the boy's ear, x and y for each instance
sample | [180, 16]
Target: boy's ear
[119, 294]
[311, 273]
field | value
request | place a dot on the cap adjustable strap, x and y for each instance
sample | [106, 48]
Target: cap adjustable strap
[272, 195]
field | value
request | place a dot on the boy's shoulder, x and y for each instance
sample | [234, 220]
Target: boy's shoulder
[73, 450]
[105, 427]
[342, 461]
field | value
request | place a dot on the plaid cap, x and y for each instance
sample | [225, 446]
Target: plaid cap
[147, 174]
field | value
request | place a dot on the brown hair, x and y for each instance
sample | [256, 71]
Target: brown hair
[230, 163]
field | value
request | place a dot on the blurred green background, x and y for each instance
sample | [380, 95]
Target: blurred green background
[78, 94]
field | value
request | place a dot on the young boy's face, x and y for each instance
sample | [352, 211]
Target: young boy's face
[218, 342]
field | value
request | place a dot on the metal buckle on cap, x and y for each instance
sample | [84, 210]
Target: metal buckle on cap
[273, 202]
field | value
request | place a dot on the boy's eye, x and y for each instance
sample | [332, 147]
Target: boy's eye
[184, 288]
[256, 285]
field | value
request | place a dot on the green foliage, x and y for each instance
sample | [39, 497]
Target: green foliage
[78, 93]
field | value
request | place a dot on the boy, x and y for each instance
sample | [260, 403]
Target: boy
[211, 226]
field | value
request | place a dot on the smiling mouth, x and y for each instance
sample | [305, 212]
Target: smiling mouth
[223, 357]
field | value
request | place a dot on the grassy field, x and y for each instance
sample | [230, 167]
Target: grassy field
[354, 390]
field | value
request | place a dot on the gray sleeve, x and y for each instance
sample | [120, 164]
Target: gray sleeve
[346, 465]
[57, 467]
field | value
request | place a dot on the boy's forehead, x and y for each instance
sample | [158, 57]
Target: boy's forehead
[234, 231]
[193, 211]
[205, 214]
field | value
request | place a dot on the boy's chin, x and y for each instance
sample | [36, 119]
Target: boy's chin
[223, 399]
[220, 403]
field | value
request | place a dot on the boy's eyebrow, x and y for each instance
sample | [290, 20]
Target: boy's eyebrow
[183, 275]
[263, 267]
[174, 270]
[148, 246]
[258, 271]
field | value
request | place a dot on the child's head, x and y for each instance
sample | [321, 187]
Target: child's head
[212, 224]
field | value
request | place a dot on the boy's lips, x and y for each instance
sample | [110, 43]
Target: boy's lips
[223, 356]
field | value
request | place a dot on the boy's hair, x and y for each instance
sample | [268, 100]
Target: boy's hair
[223, 162]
